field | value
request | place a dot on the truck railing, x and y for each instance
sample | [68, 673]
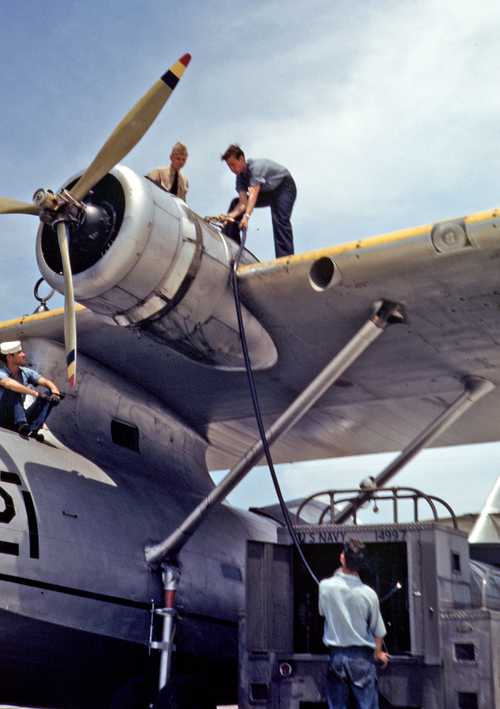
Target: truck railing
[339, 498]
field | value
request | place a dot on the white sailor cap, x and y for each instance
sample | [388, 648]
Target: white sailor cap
[13, 347]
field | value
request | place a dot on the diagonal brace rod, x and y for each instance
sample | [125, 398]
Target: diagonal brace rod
[385, 313]
[475, 389]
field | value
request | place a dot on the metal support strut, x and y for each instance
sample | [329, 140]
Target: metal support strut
[384, 314]
[475, 389]
[171, 577]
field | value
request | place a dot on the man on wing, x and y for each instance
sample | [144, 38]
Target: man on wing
[170, 177]
[17, 382]
[261, 183]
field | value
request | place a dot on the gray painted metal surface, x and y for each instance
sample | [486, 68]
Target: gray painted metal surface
[72, 562]
[167, 271]
[451, 648]
[385, 399]
[370, 331]
[161, 396]
[474, 389]
[91, 527]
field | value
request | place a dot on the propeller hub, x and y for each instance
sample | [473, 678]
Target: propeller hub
[46, 200]
[93, 226]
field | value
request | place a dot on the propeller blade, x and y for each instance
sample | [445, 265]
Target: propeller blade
[69, 305]
[131, 129]
[14, 206]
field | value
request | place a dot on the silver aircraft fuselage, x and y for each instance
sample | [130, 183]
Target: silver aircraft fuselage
[76, 590]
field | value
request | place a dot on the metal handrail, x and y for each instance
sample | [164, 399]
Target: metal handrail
[395, 494]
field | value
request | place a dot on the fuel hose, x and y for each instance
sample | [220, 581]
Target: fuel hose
[257, 409]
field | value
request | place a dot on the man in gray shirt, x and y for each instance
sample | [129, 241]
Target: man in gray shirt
[261, 183]
[353, 632]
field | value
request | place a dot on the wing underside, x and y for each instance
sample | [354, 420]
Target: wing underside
[312, 304]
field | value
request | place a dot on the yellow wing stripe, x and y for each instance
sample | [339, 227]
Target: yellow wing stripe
[368, 243]
[37, 317]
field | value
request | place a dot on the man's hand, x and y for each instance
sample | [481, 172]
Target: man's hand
[52, 397]
[383, 657]
[244, 222]
[219, 219]
[51, 386]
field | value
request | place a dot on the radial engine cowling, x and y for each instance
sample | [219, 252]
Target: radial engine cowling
[144, 258]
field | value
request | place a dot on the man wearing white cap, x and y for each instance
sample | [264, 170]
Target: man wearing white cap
[17, 382]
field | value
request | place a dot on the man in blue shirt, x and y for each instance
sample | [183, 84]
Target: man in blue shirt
[17, 382]
[261, 183]
[353, 632]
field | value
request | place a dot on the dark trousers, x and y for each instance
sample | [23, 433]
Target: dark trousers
[13, 413]
[281, 201]
[352, 676]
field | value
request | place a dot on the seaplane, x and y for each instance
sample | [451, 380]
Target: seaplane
[121, 564]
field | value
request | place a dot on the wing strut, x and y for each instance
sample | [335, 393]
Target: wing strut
[165, 553]
[384, 314]
[475, 389]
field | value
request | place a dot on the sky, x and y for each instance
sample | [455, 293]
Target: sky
[387, 113]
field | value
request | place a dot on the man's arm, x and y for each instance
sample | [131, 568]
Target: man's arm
[321, 610]
[17, 387]
[380, 654]
[43, 381]
[240, 207]
[253, 195]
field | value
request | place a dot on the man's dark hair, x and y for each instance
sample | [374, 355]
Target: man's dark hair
[234, 151]
[354, 553]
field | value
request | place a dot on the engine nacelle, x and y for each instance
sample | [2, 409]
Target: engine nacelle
[144, 258]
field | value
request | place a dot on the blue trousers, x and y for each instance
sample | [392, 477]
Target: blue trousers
[13, 413]
[352, 676]
[281, 201]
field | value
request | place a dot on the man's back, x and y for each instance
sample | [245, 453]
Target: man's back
[354, 632]
[351, 610]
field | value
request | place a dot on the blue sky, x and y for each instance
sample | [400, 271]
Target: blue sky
[387, 113]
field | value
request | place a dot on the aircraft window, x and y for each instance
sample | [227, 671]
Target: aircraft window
[455, 563]
[259, 692]
[465, 652]
[231, 572]
[125, 435]
[467, 700]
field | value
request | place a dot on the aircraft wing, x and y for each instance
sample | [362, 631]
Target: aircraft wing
[446, 276]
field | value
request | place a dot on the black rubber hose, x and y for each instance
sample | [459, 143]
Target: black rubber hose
[257, 410]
